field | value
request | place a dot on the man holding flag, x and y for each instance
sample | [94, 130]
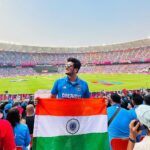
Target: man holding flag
[71, 86]
[78, 124]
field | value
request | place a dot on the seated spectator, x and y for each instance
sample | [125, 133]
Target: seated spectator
[143, 115]
[119, 127]
[21, 131]
[7, 141]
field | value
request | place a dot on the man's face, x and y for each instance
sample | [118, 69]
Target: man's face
[69, 69]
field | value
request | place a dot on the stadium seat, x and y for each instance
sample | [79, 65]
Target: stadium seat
[119, 143]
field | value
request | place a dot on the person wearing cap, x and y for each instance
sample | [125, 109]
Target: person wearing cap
[70, 86]
[143, 115]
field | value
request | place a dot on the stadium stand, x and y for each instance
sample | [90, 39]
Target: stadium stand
[131, 57]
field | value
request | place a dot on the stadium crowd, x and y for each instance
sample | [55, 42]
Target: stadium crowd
[140, 54]
[124, 68]
[18, 114]
[8, 72]
[128, 58]
[120, 68]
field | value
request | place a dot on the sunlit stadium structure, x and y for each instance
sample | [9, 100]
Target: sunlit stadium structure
[130, 57]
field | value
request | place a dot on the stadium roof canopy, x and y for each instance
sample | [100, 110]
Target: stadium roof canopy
[106, 48]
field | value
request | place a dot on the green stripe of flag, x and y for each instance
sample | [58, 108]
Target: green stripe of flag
[91, 141]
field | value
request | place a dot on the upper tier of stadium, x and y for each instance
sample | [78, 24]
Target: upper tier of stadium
[104, 48]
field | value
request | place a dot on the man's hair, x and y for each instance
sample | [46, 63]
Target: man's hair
[115, 98]
[13, 116]
[30, 109]
[137, 99]
[76, 62]
[147, 99]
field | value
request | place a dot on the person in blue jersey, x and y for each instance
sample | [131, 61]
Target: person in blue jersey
[119, 127]
[70, 86]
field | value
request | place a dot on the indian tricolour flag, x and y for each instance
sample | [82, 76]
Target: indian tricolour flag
[70, 125]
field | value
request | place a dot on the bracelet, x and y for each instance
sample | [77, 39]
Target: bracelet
[132, 140]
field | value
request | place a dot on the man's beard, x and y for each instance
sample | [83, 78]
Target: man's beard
[69, 73]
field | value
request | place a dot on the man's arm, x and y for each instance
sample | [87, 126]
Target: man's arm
[133, 134]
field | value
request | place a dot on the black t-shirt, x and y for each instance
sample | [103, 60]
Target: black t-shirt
[30, 123]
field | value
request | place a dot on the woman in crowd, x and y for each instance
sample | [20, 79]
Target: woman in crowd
[21, 131]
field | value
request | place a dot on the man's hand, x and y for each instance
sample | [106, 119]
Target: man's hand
[134, 132]
[36, 100]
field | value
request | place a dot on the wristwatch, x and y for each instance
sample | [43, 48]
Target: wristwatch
[132, 140]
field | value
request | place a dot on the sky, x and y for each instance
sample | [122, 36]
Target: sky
[73, 23]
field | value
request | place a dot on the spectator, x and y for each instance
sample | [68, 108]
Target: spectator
[21, 131]
[70, 86]
[136, 101]
[30, 117]
[125, 99]
[7, 141]
[143, 115]
[147, 99]
[119, 127]
[6, 109]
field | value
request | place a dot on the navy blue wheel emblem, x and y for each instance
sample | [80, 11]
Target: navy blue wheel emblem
[72, 126]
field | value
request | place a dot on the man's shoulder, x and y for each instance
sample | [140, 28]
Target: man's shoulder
[112, 108]
[82, 81]
[30, 117]
[131, 110]
[61, 79]
[22, 126]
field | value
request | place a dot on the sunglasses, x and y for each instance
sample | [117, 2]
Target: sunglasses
[68, 65]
